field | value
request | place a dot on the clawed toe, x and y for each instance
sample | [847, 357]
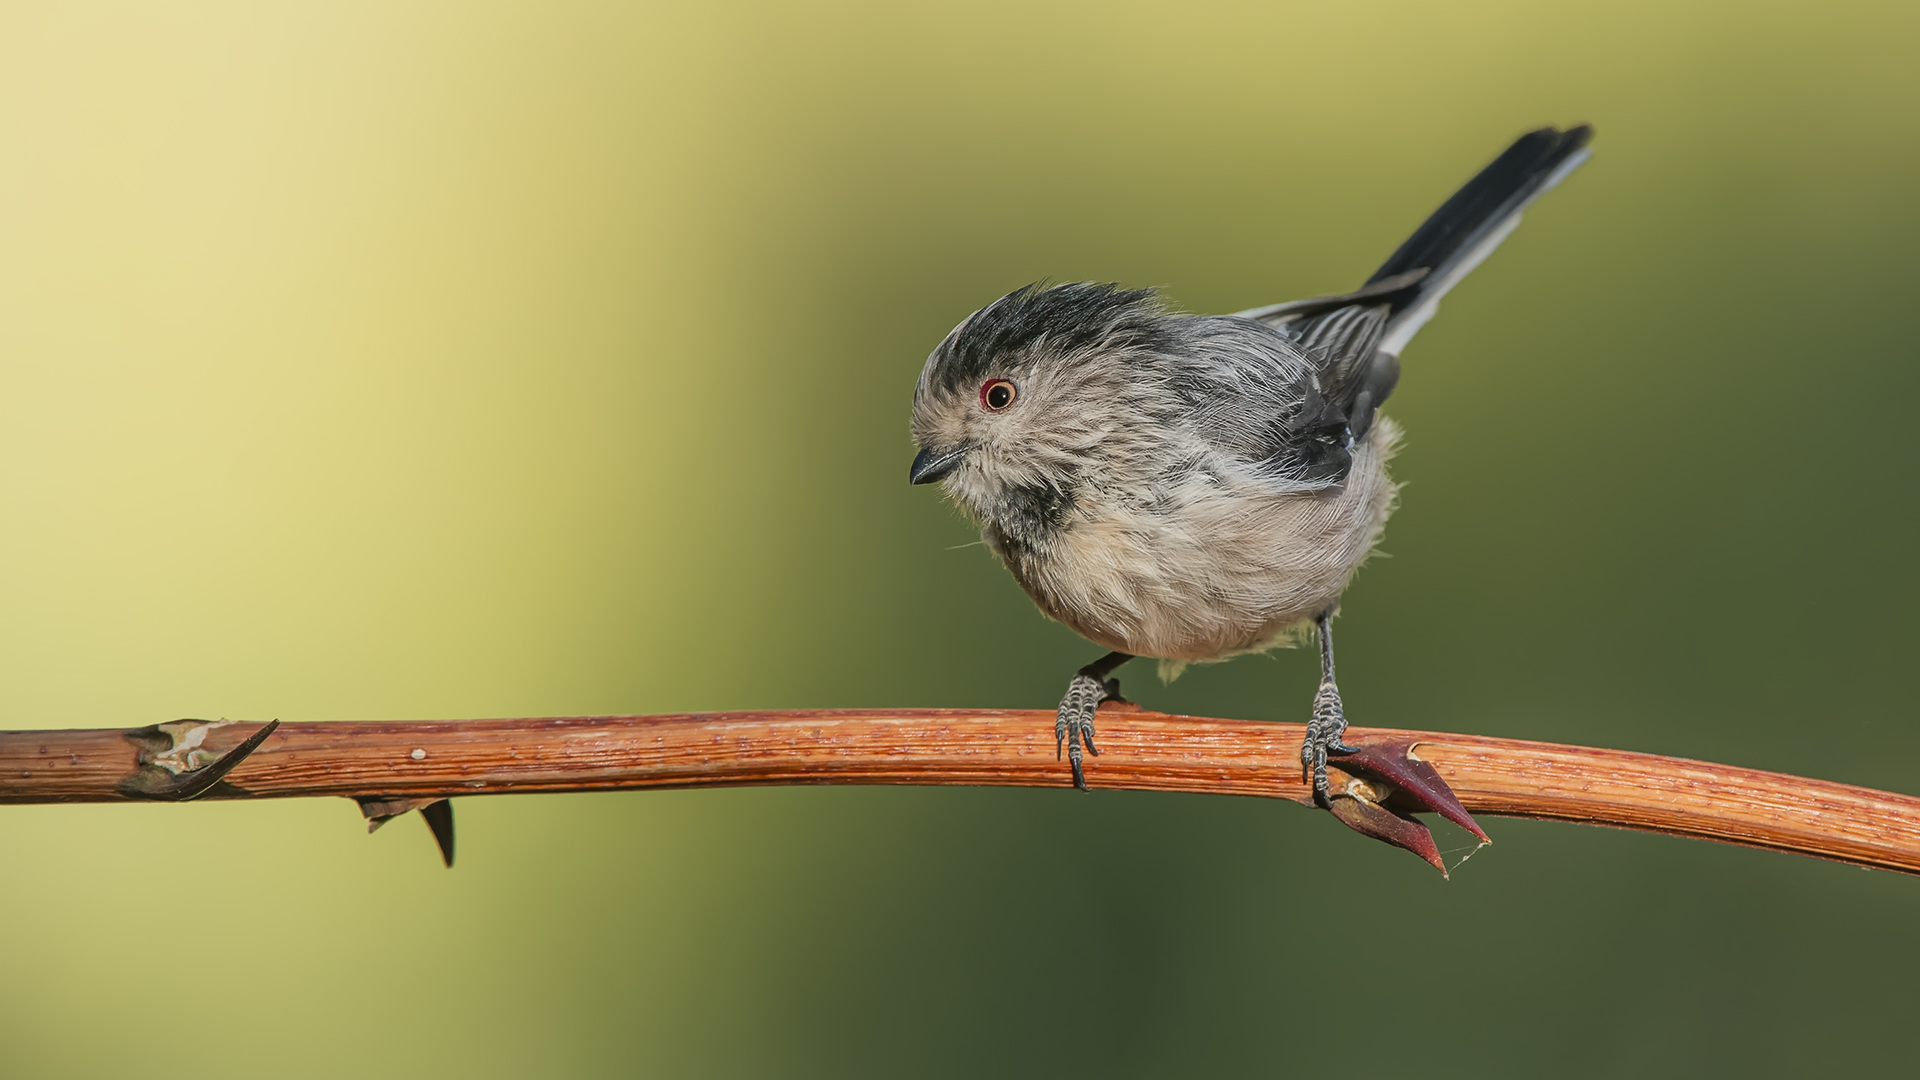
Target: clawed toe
[1073, 723]
[1324, 736]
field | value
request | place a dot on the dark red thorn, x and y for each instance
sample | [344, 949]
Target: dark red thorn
[1400, 830]
[1414, 784]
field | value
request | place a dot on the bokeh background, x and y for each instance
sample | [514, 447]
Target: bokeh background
[391, 361]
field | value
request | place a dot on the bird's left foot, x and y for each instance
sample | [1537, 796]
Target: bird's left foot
[1324, 733]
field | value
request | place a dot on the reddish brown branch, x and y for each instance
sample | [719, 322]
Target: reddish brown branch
[1141, 750]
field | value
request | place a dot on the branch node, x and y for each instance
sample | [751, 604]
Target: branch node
[174, 767]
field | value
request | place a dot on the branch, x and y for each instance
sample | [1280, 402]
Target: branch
[393, 767]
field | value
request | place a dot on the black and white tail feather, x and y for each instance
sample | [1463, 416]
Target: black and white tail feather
[1356, 338]
[1195, 487]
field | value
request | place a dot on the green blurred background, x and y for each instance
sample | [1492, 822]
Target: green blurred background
[377, 361]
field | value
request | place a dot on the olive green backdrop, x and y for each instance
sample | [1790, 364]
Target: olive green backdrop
[390, 361]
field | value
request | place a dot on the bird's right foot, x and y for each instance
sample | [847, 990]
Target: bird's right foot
[1073, 724]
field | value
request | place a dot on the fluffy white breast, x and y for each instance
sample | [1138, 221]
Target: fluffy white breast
[1222, 566]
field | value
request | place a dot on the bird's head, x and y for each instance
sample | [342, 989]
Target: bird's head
[1025, 400]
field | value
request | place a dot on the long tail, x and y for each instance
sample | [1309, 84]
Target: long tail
[1468, 226]
[1356, 338]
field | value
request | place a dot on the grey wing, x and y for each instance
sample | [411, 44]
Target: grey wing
[1292, 404]
[1342, 352]
[1356, 374]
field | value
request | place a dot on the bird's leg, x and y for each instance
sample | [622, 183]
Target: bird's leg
[1392, 784]
[1328, 723]
[1074, 722]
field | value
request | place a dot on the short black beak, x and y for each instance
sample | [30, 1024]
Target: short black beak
[930, 465]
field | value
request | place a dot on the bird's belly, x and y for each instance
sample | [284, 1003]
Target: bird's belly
[1228, 572]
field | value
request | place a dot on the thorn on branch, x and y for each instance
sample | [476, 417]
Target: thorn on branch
[1369, 818]
[439, 818]
[174, 767]
[436, 812]
[1144, 751]
[1389, 785]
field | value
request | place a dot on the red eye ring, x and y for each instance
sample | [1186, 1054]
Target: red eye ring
[998, 395]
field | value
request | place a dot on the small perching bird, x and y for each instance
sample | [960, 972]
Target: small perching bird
[1193, 487]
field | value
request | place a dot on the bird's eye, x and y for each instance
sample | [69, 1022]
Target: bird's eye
[997, 394]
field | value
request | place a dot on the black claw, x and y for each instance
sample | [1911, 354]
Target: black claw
[153, 782]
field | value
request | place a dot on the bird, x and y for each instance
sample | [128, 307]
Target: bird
[1197, 487]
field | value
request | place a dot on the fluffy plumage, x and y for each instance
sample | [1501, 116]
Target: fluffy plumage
[1193, 487]
[1171, 486]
